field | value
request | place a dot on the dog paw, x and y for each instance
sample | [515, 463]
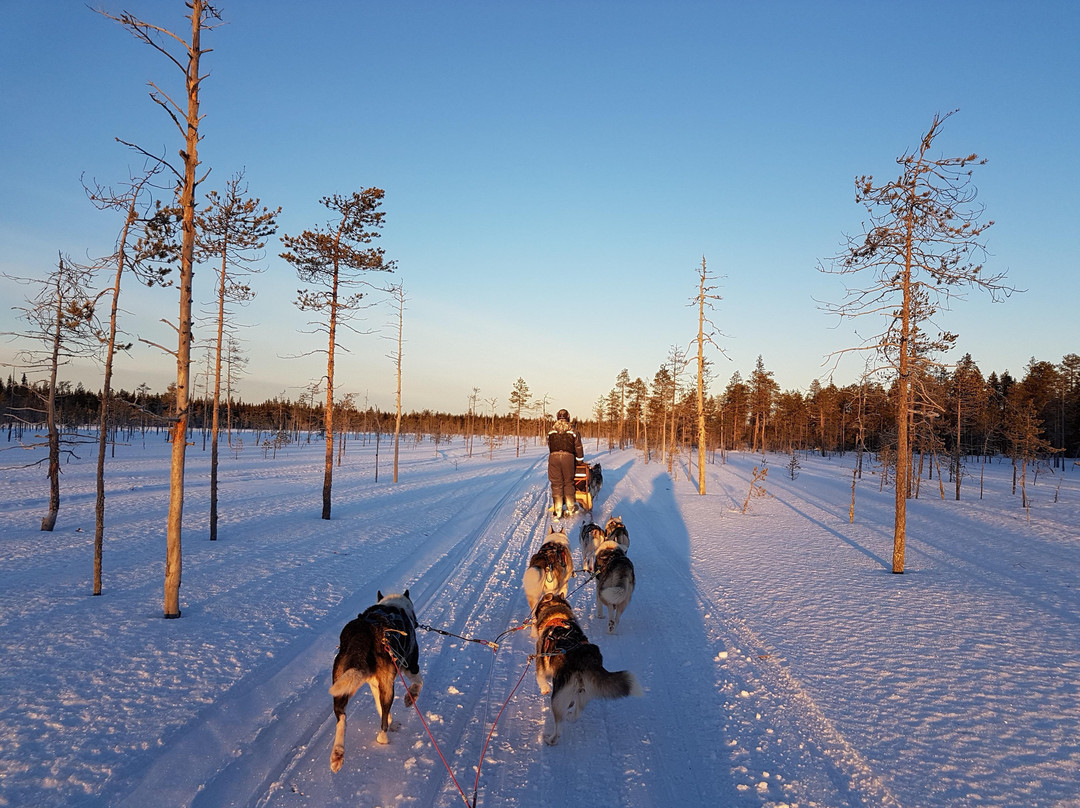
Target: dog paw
[381, 738]
[611, 627]
[337, 757]
[551, 740]
[412, 694]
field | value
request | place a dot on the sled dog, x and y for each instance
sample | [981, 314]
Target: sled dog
[550, 568]
[614, 582]
[616, 530]
[592, 536]
[596, 479]
[570, 668]
[364, 657]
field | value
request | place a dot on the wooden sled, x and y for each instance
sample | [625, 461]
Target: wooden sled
[582, 494]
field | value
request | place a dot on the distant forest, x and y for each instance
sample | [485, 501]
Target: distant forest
[957, 412]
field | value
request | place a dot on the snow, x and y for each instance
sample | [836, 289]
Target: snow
[782, 663]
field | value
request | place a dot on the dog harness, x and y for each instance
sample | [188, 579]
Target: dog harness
[552, 554]
[561, 634]
[396, 627]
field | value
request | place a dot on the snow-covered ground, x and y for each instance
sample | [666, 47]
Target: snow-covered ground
[782, 663]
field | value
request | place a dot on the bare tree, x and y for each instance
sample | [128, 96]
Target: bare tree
[61, 319]
[923, 227]
[139, 249]
[519, 399]
[235, 363]
[541, 405]
[757, 489]
[186, 55]
[491, 432]
[599, 408]
[706, 331]
[677, 360]
[639, 394]
[397, 294]
[233, 230]
[622, 384]
[1027, 445]
[470, 431]
[335, 258]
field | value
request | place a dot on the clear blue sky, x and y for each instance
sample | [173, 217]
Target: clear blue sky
[555, 171]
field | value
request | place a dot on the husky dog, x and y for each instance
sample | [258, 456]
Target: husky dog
[616, 530]
[592, 536]
[614, 582]
[550, 568]
[364, 657]
[571, 668]
[596, 479]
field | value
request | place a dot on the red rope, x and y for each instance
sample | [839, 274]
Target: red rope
[491, 732]
[483, 752]
[427, 729]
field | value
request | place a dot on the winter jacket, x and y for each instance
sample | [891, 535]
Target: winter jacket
[562, 438]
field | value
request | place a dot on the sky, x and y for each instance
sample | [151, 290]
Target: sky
[555, 172]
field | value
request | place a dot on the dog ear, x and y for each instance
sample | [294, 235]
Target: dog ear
[407, 594]
[378, 595]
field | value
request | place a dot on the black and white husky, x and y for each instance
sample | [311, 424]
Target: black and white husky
[592, 536]
[364, 657]
[614, 582]
[570, 668]
[616, 531]
[550, 568]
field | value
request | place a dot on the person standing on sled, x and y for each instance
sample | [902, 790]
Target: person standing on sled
[564, 453]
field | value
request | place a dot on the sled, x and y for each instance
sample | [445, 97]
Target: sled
[582, 494]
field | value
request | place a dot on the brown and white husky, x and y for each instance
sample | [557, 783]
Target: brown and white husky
[550, 568]
[570, 668]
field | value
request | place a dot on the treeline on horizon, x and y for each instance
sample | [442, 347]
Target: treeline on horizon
[957, 412]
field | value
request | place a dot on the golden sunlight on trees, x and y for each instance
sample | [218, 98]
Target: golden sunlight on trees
[186, 56]
[140, 250]
[397, 295]
[232, 232]
[62, 325]
[335, 259]
[519, 400]
[923, 226]
[705, 332]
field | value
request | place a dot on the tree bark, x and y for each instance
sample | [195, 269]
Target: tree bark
[48, 522]
[173, 554]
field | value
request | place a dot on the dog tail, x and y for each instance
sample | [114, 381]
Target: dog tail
[604, 684]
[348, 683]
[620, 593]
[533, 584]
[568, 701]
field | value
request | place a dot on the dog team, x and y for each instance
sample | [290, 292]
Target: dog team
[569, 669]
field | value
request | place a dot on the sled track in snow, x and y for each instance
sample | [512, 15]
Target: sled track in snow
[466, 592]
[283, 711]
[803, 739]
